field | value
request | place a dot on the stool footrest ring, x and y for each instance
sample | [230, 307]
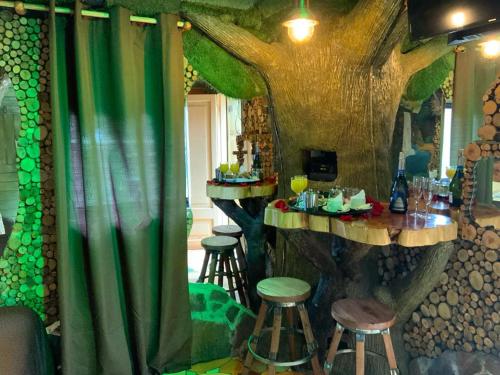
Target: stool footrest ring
[273, 362]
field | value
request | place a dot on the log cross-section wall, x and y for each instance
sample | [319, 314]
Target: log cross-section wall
[462, 313]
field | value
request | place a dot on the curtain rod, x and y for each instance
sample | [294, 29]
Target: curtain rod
[84, 12]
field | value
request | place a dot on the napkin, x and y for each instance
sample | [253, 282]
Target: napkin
[335, 204]
[358, 200]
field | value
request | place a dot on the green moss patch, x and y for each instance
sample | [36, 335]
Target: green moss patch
[425, 82]
[225, 73]
[220, 324]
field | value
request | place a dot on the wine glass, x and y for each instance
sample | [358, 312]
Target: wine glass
[224, 167]
[235, 168]
[305, 182]
[298, 185]
[416, 192]
[429, 188]
[450, 172]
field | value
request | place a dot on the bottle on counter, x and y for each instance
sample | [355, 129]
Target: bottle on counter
[257, 164]
[399, 191]
[455, 192]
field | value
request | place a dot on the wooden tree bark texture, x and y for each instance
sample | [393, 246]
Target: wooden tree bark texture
[338, 92]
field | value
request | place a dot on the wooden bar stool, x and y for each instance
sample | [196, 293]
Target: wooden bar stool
[280, 293]
[362, 317]
[219, 252]
[236, 232]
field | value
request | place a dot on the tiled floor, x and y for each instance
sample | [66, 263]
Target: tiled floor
[195, 261]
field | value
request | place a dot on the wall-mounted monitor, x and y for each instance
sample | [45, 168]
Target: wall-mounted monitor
[429, 18]
[320, 165]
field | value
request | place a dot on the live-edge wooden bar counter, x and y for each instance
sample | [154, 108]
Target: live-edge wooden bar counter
[345, 253]
[382, 230]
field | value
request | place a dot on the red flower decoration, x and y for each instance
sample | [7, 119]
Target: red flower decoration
[346, 217]
[271, 179]
[378, 208]
[243, 184]
[282, 205]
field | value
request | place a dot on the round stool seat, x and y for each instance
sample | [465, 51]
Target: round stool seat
[283, 289]
[219, 243]
[228, 230]
[363, 314]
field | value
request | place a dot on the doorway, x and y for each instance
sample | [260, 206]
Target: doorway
[212, 123]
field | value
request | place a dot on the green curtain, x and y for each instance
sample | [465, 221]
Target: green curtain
[117, 106]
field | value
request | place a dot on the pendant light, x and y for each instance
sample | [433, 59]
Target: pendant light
[491, 48]
[301, 23]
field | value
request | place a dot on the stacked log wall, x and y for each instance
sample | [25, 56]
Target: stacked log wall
[462, 313]
[257, 128]
[28, 266]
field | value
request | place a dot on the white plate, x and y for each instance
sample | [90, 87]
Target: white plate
[336, 212]
[366, 206]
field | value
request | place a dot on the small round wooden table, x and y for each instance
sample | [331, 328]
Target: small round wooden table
[245, 205]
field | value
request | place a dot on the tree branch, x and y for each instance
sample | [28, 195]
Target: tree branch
[235, 212]
[399, 30]
[405, 295]
[235, 40]
[368, 24]
[421, 57]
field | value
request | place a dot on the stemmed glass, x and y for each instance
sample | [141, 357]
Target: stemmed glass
[298, 185]
[416, 192]
[450, 172]
[429, 189]
[224, 167]
[235, 168]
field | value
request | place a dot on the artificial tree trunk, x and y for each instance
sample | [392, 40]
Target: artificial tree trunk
[340, 92]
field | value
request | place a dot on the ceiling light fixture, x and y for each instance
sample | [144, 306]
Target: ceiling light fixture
[301, 23]
[491, 48]
[458, 19]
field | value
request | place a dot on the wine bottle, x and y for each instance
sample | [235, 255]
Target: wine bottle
[399, 191]
[257, 165]
[455, 192]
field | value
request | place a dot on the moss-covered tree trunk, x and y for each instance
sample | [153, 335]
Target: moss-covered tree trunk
[340, 92]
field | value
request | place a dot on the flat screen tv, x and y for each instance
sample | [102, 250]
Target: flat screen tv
[429, 18]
